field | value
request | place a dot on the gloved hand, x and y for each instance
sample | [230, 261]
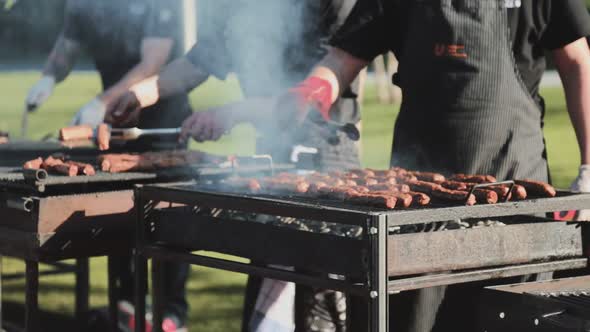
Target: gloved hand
[208, 125]
[313, 93]
[40, 92]
[125, 111]
[90, 114]
[582, 184]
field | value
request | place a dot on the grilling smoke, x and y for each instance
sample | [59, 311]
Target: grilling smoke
[261, 39]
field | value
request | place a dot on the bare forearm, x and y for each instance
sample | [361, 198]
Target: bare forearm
[575, 75]
[137, 74]
[61, 59]
[180, 76]
[340, 69]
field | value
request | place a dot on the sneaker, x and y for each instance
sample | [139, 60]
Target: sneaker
[127, 317]
[126, 323]
[172, 323]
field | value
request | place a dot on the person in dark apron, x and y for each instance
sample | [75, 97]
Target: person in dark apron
[269, 45]
[128, 40]
[470, 72]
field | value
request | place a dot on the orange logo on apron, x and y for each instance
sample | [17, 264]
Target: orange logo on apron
[450, 50]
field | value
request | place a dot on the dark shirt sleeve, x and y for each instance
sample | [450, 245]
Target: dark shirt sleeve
[367, 32]
[162, 20]
[568, 21]
[72, 28]
[211, 53]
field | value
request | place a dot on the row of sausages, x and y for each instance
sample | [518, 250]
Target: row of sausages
[151, 161]
[395, 188]
[61, 166]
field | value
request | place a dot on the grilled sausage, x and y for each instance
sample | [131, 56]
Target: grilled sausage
[243, 184]
[425, 187]
[368, 181]
[384, 173]
[34, 164]
[537, 188]
[83, 132]
[485, 196]
[518, 193]
[386, 180]
[502, 191]
[380, 201]
[419, 199]
[473, 178]
[105, 165]
[454, 195]
[361, 173]
[299, 187]
[429, 176]
[103, 137]
[65, 169]
[404, 188]
[83, 168]
[455, 185]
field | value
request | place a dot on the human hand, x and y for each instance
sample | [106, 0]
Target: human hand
[207, 125]
[40, 92]
[91, 114]
[582, 184]
[125, 111]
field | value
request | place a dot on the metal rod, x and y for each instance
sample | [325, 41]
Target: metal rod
[400, 285]
[20, 203]
[82, 293]
[158, 294]
[140, 261]
[113, 294]
[35, 175]
[379, 297]
[222, 264]
[31, 296]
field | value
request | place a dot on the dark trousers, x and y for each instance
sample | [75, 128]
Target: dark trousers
[175, 277]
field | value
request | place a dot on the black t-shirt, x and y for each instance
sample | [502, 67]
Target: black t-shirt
[112, 31]
[269, 44]
[536, 27]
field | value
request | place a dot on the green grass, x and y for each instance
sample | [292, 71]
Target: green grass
[216, 297]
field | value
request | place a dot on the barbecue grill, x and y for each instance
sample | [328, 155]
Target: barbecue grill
[48, 217]
[557, 305]
[393, 251]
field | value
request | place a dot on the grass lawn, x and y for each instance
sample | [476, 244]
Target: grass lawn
[216, 297]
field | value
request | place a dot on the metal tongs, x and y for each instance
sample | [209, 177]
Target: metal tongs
[130, 134]
[332, 127]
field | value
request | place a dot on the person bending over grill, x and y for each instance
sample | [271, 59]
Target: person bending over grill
[128, 41]
[270, 45]
[470, 75]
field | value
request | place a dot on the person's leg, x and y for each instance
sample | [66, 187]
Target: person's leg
[320, 310]
[252, 289]
[175, 279]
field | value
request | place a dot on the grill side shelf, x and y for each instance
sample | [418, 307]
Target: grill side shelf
[563, 202]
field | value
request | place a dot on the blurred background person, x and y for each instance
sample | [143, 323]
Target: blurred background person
[128, 40]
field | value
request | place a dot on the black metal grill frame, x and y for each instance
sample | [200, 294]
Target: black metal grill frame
[375, 223]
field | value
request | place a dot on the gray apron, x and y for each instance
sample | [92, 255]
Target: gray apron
[465, 110]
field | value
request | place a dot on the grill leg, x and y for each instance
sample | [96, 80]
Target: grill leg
[82, 293]
[113, 296]
[140, 291]
[31, 296]
[157, 294]
[1, 318]
[379, 298]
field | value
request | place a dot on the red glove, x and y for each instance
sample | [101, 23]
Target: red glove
[314, 92]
